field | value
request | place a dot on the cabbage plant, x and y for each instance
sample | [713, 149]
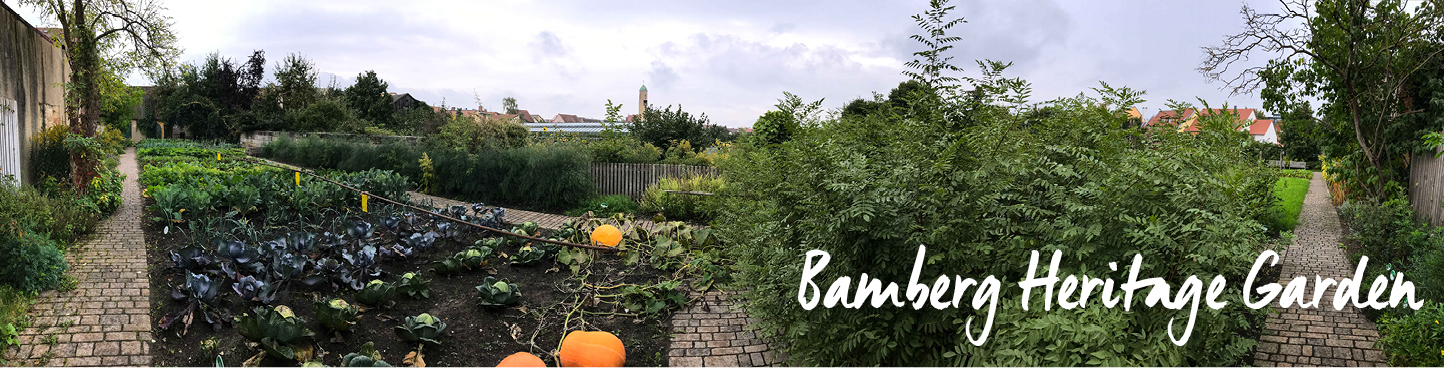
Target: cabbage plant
[494, 293]
[423, 328]
[336, 314]
[280, 332]
[413, 286]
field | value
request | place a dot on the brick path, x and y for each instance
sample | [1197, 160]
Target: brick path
[106, 319]
[714, 333]
[1318, 336]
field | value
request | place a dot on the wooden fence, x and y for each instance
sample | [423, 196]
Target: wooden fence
[1426, 187]
[633, 179]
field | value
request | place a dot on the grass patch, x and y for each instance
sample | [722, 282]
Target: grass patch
[1290, 192]
[13, 305]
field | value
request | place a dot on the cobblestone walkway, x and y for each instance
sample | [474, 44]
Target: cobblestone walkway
[105, 321]
[713, 332]
[1318, 336]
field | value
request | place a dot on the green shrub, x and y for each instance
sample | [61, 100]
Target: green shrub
[621, 148]
[58, 219]
[33, 261]
[1394, 239]
[681, 153]
[547, 177]
[1412, 339]
[683, 207]
[981, 187]
[113, 141]
[1301, 174]
[774, 127]
[48, 156]
[1387, 232]
[605, 206]
[104, 194]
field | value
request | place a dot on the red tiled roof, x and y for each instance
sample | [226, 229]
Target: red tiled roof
[1261, 127]
[1244, 115]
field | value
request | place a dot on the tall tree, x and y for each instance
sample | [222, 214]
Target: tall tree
[508, 105]
[930, 64]
[213, 99]
[1354, 56]
[296, 82]
[664, 128]
[368, 97]
[104, 38]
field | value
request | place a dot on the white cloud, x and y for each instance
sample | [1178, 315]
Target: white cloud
[730, 60]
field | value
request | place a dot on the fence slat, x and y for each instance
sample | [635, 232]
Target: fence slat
[633, 179]
[1426, 176]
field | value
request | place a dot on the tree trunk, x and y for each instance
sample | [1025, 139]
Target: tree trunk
[83, 99]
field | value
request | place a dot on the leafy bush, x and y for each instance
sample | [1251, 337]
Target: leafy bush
[1386, 232]
[60, 220]
[469, 134]
[681, 153]
[774, 127]
[104, 194]
[48, 156]
[981, 186]
[622, 148]
[1394, 239]
[33, 262]
[1301, 174]
[684, 207]
[1411, 340]
[113, 141]
[605, 206]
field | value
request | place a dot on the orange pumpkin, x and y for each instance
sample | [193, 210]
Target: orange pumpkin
[607, 235]
[522, 359]
[592, 349]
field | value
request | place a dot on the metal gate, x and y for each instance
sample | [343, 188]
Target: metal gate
[9, 143]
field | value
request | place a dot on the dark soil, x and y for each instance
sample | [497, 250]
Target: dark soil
[475, 336]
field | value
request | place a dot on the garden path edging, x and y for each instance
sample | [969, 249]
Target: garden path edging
[105, 321]
[1318, 336]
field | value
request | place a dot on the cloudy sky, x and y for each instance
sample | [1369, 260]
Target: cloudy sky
[729, 59]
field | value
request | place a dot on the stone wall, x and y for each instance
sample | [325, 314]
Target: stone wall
[32, 72]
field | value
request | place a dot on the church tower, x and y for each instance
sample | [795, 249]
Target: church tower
[641, 101]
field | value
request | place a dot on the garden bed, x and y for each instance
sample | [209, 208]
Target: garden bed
[475, 336]
[294, 233]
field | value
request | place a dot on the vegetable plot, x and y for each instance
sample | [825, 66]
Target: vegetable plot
[266, 269]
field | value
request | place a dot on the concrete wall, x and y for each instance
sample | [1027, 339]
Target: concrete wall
[32, 72]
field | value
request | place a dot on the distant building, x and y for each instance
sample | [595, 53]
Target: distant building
[641, 101]
[1262, 130]
[403, 102]
[569, 118]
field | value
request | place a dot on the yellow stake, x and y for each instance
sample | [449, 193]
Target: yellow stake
[363, 203]
[298, 178]
[218, 156]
